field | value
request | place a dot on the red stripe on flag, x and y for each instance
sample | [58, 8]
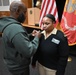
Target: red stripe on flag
[55, 11]
[42, 7]
[51, 7]
[48, 7]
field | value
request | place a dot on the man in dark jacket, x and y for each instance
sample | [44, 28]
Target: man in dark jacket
[18, 47]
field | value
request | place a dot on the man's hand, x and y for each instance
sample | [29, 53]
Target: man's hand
[36, 33]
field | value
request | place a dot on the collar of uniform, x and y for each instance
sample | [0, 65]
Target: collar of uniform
[54, 31]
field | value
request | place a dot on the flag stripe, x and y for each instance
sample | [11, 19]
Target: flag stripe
[43, 10]
[55, 13]
[48, 7]
[42, 7]
[51, 7]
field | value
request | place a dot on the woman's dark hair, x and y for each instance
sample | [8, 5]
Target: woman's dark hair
[51, 17]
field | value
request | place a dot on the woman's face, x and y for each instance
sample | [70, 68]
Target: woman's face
[47, 24]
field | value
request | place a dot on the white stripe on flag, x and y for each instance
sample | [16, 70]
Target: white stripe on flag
[48, 7]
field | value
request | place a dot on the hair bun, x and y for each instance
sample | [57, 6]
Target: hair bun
[51, 17]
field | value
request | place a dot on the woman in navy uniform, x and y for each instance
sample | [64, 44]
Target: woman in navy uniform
[53, 50]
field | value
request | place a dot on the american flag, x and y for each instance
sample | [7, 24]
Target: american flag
[48, 7]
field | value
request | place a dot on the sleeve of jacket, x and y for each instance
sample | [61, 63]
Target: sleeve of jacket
[63, 49]
[35, 58]
[23, 45]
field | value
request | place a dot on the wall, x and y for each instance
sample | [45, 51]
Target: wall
[28, 4]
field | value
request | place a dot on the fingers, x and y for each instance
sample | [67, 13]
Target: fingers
[36, 33]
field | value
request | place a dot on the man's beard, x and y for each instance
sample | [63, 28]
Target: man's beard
[21, 18]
